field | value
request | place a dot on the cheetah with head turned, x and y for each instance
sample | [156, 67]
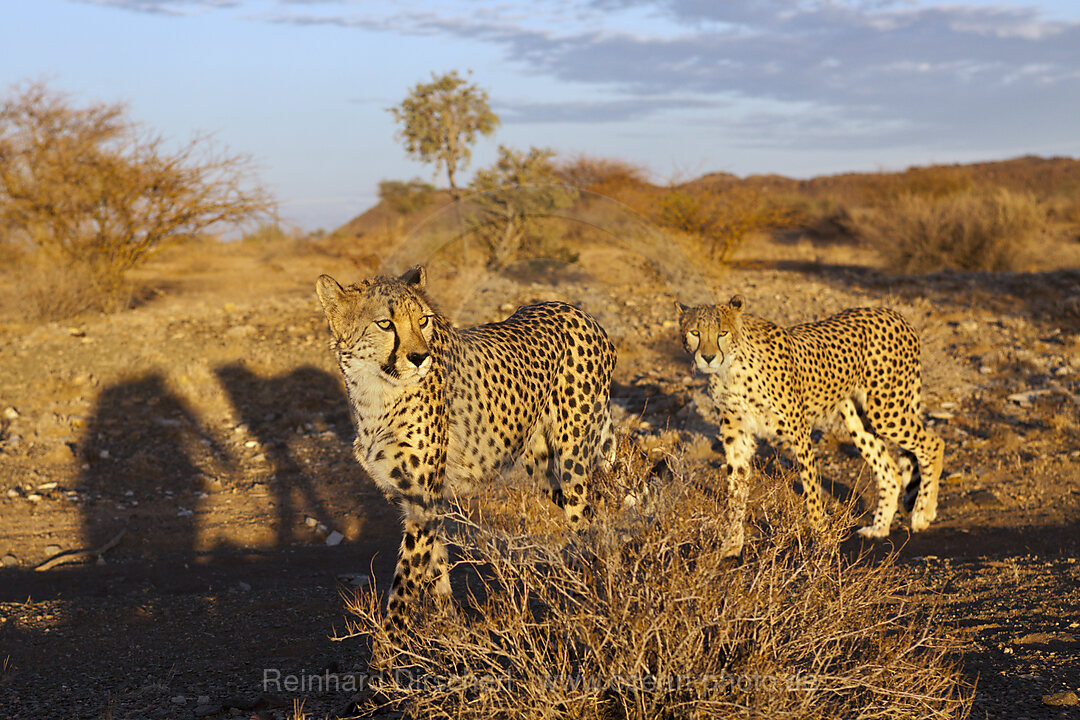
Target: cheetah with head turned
[438, 410]
[776, 382]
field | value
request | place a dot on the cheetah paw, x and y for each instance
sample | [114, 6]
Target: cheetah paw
[871, 531]
[920, 521]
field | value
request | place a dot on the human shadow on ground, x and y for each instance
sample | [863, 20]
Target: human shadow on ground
[279, 409]
[143, 443]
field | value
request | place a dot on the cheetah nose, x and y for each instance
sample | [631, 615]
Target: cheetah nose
[707, 358]
[416, 358]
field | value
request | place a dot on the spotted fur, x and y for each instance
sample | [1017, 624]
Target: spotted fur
[438, 410]
[776, 382]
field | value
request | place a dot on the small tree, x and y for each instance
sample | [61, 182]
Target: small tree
[440, 121]
[87, 186]
[519, 188]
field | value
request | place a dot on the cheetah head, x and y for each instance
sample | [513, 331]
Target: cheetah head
[709, 333]
[380, 327]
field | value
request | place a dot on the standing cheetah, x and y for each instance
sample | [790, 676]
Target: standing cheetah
[438, 410]
[777, 382]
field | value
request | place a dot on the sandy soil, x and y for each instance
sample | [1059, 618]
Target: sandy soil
[210, 426]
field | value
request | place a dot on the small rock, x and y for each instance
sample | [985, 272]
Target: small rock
[46, 487]
[240, 331]
[34, 498]
[334, 538]
[1061, 699]
[179, 699]
[242, 587]
[203, 700]
[207, 709]
[9, 560]
[941, 415]
[310, 522]
[251, 444]
[184, 512]
[51, 550]
[10, 413]
[356, 580]
[104, 454]
[12, 493]
[985, 370]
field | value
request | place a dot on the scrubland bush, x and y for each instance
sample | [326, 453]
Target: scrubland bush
[989, 230]
[640, 616]
[85, 189]
[514, 200]
[406, 196]
[723, 219]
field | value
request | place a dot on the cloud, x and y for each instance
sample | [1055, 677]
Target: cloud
[596, 111]
[164, 7]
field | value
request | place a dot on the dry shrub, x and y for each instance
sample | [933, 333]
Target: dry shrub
[56, 289]
[723, 219]
[641, 617]
[989, 230]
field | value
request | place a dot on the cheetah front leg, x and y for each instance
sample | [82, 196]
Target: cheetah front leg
[739, 447]
[801, 447]
[422, 562]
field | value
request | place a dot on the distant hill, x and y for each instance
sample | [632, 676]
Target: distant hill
[1044, 177]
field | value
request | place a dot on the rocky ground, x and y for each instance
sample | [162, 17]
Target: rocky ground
[207, 430]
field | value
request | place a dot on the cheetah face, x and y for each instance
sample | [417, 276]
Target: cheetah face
[381, 328]
[709, 333]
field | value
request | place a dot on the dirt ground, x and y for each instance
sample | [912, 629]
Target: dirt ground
[209, 426]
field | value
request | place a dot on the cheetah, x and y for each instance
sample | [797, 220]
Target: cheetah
[438, 410]
[776, 382]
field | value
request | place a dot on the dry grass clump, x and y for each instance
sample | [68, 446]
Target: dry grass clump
[988, 230]
[640, 617]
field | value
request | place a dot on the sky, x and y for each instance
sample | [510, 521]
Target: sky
[680, 87]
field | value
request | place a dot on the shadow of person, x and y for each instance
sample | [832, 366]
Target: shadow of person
[143, 452]
[276, 409]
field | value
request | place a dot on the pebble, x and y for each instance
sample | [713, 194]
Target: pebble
[51, 550]
[334, 538]
[34, 498]
[242, 587]
[10, 413]
[207, 709]
[9, 560]
[1061, 699]
[179, 699]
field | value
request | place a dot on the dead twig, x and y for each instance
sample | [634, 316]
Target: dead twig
[73, 555]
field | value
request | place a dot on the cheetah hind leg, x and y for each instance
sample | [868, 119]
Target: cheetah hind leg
[931, 457]
[539, 468]
[910, 479]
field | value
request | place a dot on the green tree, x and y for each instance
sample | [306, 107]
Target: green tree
[86, 186]
[440, 121]
[513, 194]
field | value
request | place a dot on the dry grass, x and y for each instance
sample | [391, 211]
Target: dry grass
[988, 230]
[640, 617]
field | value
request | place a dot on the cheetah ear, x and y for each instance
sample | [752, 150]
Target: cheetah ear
[332, 297]
[680, 308]
[736, 303]
[416, 275]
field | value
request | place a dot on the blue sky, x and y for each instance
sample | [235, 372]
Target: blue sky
[682, 87]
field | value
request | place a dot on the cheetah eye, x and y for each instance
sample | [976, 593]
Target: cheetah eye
[384, 324]
[423, 321]
[722, 333]
[695, 333]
